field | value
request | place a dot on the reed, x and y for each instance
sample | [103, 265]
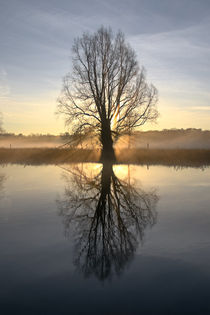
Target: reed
[170, 157]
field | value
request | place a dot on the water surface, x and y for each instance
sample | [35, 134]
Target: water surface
[83, 239]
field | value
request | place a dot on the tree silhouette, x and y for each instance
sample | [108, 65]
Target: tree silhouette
[108, 217]
[106, 95]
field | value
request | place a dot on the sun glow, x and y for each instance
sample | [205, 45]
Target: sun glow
[115, 117]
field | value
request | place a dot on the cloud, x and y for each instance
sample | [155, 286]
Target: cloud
[176, 49]
[178, 63]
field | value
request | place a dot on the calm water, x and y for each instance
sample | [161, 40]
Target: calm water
[83, 239]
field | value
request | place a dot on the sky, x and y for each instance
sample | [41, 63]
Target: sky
[171, 40]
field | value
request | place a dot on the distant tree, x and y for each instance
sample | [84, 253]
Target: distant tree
[106, 94]
[65, 136]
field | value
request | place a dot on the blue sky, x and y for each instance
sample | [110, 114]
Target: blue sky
[171, 39]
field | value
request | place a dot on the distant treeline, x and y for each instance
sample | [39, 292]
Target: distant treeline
[34, 136]
[171, 133]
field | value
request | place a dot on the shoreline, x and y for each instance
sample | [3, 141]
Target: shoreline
[169, 157]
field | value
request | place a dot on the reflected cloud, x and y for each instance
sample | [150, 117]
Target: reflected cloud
[107, 216]
[2, 180]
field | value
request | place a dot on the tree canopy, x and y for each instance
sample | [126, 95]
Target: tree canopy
[106, 94]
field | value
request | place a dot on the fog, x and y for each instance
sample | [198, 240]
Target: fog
[31, 141]
[165, 139]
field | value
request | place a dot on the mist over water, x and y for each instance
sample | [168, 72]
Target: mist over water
[169, 139]
[165, 139]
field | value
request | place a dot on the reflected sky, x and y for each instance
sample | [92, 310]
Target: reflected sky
[169, 272]
[2, 180]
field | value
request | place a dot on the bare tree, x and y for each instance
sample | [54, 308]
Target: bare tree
[106, 94]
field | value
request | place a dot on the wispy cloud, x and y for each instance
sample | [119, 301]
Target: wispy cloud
[178, 63]
[200, 108]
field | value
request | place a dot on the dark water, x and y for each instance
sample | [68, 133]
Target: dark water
[86, 239]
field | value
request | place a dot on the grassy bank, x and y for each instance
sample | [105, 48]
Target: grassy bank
[38, 156]
[170, 157]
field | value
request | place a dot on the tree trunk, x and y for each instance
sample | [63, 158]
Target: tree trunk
[107, 153]
[106, 176]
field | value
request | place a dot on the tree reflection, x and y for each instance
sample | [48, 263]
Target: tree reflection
[108, 216]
